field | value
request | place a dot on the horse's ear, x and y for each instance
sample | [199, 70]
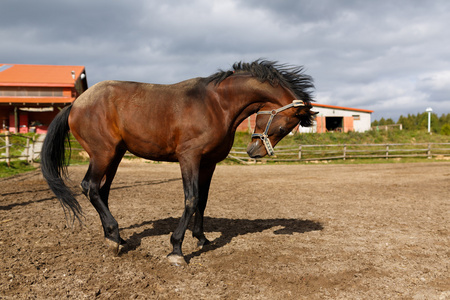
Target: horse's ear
[313, 113]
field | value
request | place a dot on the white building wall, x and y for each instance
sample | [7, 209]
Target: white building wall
[361, 119]
[364, 123]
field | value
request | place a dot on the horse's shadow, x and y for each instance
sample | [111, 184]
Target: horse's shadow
[229, 228]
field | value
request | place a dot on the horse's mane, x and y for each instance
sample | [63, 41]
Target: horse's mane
[290, 77]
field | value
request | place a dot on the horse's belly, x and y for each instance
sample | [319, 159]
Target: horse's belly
[151, 150]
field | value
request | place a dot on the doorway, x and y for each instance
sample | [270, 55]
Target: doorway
[334, 123]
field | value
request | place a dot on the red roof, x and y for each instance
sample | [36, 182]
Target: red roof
[341, 107]
[38, 75]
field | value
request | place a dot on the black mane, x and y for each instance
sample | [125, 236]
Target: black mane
[290, 77]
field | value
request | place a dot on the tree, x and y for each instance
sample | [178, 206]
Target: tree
[445, 129]
[418, 121]
[406, 122]
[444, 119]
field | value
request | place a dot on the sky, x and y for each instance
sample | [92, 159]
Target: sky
[392, 57]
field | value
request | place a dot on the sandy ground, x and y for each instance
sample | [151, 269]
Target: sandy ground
[279, 232]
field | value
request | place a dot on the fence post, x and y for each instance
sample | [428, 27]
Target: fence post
[300, 152]
[27, 152]
[345, 150]
[8, 161]
[31, 158]
[387, 151]
[429, 151]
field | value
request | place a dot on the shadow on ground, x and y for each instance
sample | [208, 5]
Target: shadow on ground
[229, 228]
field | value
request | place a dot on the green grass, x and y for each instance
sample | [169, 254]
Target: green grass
[16, 167]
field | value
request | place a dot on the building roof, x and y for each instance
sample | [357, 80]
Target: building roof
[341, 107]
[26, 80]
[39, 75]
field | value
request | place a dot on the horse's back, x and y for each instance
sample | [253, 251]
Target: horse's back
[105, 91]
[129, 92]
[134, 114]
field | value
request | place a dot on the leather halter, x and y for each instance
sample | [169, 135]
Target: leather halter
[263, 136]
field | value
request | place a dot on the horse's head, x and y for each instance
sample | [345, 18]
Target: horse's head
[274, 124]
[281, 110]
[273, 90]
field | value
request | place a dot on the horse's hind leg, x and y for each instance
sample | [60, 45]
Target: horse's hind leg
[109, 176]
[85, 182]
[98, 195]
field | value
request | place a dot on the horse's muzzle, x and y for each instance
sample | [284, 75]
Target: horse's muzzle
[256, 149]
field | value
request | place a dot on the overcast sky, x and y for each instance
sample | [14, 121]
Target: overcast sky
[392, 57]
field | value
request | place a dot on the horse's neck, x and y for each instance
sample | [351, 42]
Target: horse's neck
[243, 99]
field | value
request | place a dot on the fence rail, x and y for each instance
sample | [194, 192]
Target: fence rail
[347, 151]
[21, 148]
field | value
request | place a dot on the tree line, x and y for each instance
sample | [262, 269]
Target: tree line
[420, 122]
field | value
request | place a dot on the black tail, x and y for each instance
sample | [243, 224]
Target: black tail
[54, 164]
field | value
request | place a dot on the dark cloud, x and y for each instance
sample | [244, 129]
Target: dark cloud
[389, 56]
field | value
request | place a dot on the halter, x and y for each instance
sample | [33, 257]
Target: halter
[263, 136]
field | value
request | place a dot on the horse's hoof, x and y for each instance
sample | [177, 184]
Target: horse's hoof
[113, 247]
[176, 260]
[202, 244]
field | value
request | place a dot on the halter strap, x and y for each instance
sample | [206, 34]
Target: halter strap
[263, 136]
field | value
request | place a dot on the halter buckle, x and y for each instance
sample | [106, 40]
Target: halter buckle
[297, 103]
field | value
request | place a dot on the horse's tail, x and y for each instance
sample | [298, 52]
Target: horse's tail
[54, 162]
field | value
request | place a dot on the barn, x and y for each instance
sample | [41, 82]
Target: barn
[330, 118]
[32, 95]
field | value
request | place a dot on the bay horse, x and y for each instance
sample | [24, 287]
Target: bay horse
[192, 122]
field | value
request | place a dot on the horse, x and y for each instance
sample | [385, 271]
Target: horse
[192, 122]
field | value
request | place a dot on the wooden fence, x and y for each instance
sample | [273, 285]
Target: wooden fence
[22, 148]
[347, 151]
[26, 149]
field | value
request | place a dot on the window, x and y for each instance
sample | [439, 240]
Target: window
[8, 91]
[356, 117]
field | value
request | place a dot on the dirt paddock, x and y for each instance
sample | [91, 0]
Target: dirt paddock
[279, 232]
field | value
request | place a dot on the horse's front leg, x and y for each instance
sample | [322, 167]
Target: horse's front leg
[205, 177]
[190, 174]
